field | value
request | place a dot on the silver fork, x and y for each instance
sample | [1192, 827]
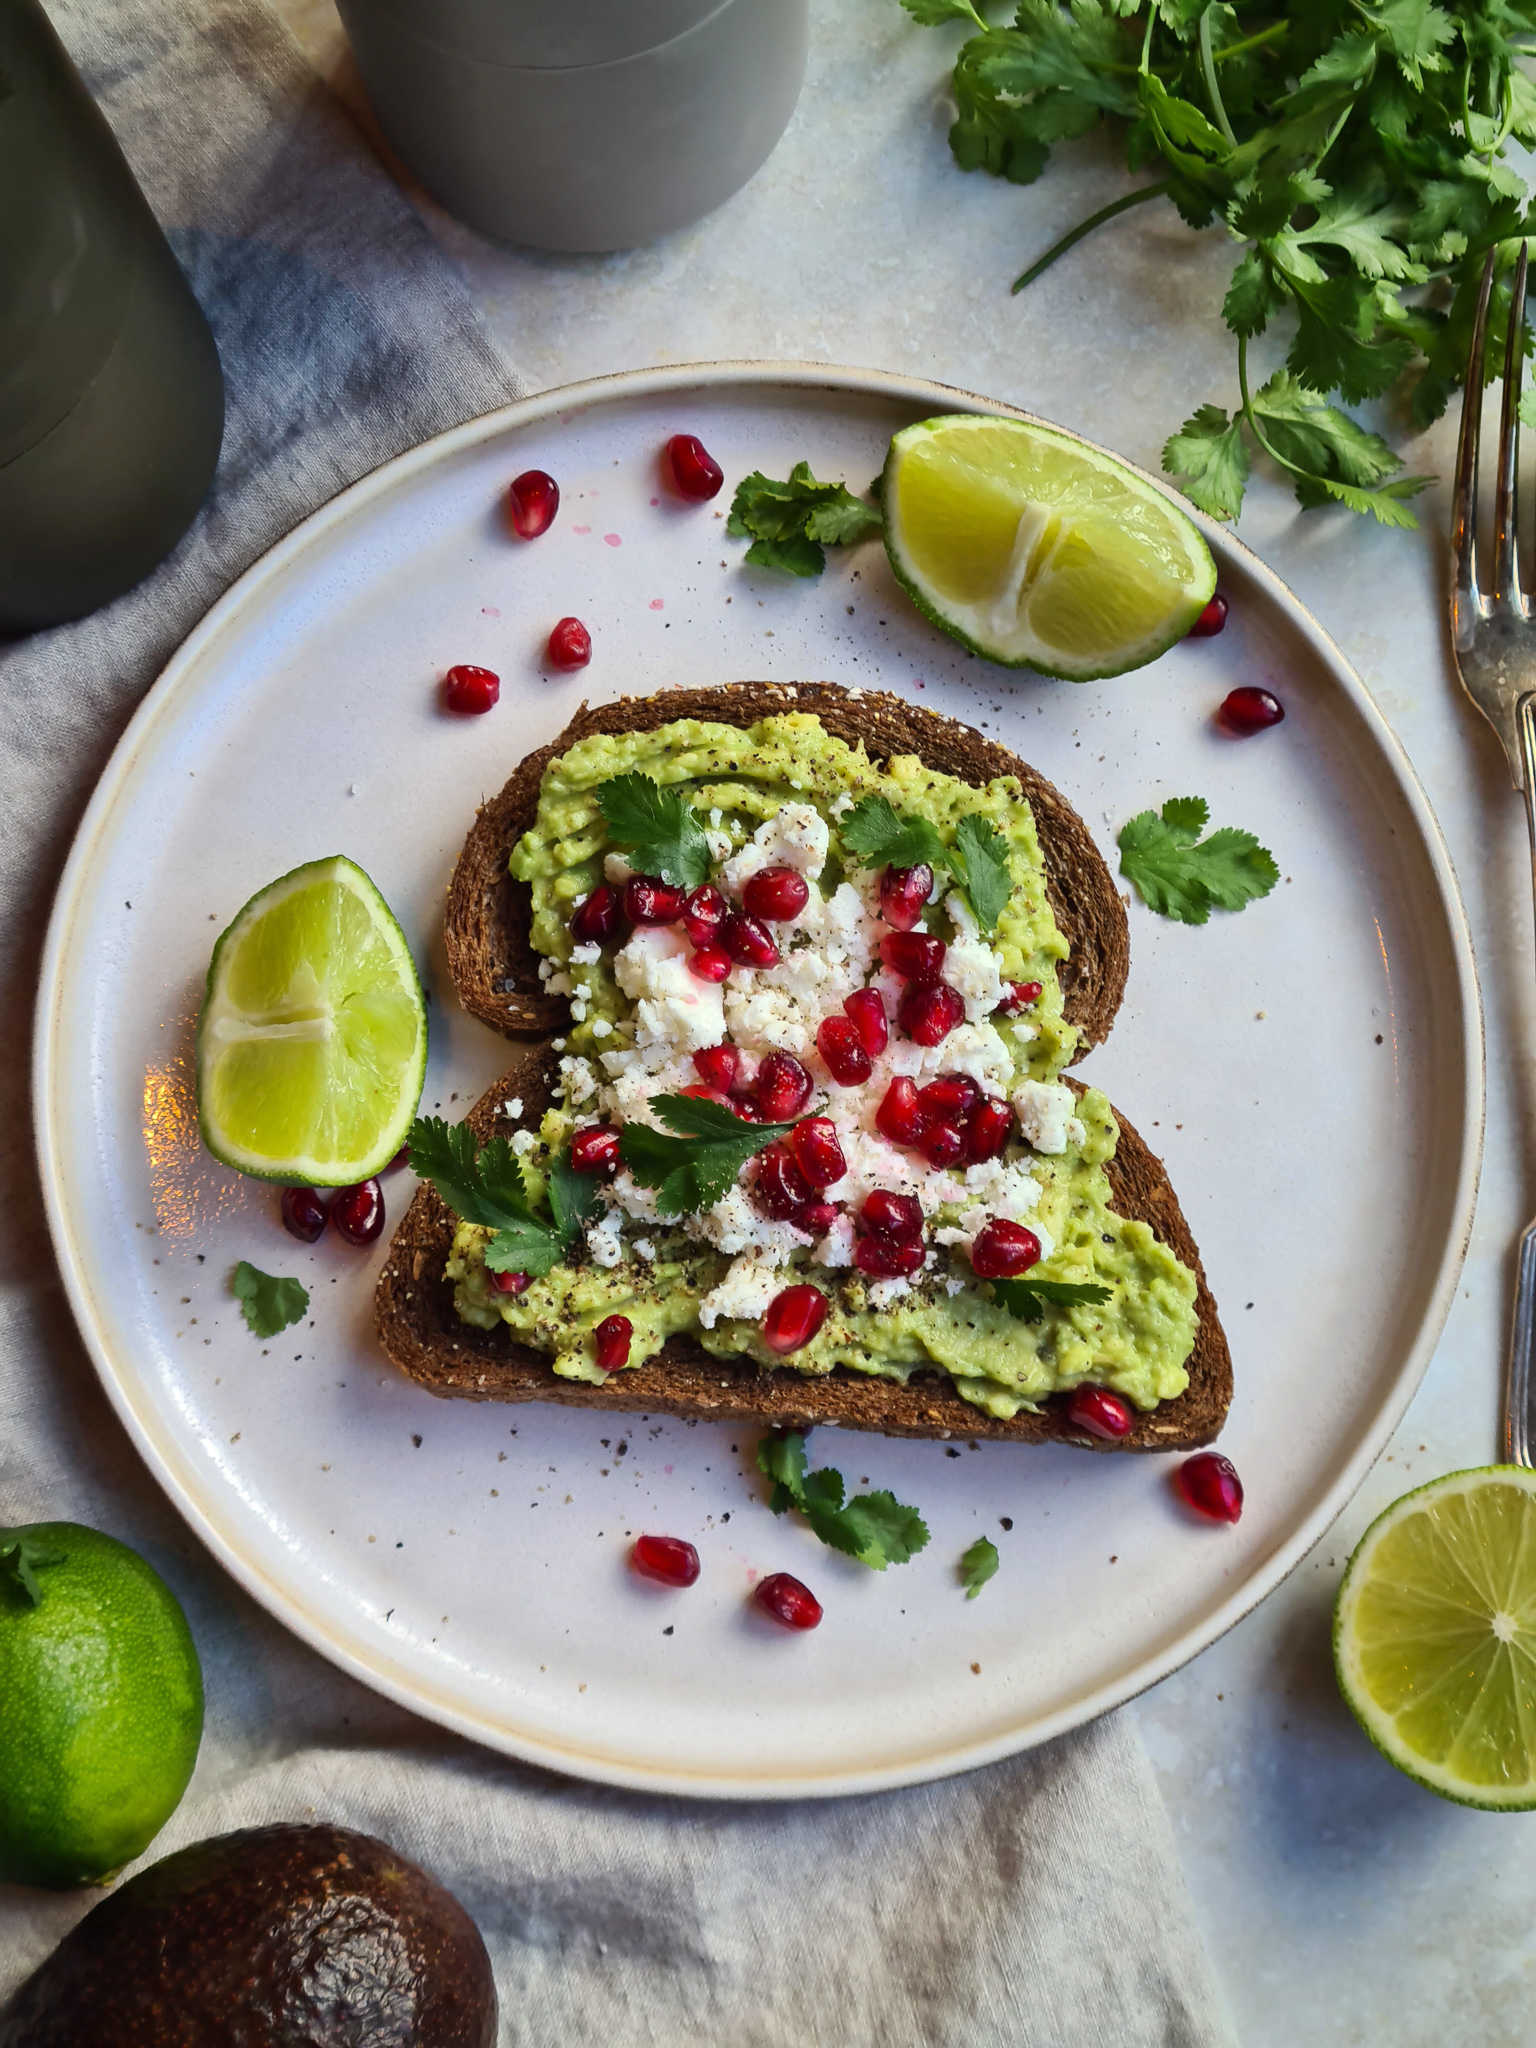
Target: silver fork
[1495, 646]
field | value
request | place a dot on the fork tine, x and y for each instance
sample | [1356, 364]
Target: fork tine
[1506, 506]
[1466, 605]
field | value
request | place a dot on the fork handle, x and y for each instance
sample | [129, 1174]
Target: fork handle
[1519, 1422]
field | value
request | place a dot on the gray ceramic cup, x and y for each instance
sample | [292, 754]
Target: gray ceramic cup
[586, 125]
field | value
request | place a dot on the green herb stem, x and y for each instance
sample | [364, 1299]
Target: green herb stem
[1086, 227]
[1213, 90]
[1273, 34]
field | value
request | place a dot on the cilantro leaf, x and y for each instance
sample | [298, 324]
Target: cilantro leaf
[268, 1304]
[980, 857]
[486, 1185]
[978, 1564]
[879, 836]
[531, 1247]
[790, 523]
[695, 1169]
[1023, 1297]
[929, 13]
[1180, 878]
[662, 832]
[575, 1198]
[1210, 458]
[21, 1558]
[873, 1527]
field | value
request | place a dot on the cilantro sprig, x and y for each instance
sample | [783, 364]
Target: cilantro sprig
[1025, 1297]
[22, 1557]
[1178, 874]
[695, 1168]
[873, 1527]
[485, 1184]
[268, 1304]
[662, 832]
[979, 1564]
[879, 836]
[1357, 151]
[791, 524]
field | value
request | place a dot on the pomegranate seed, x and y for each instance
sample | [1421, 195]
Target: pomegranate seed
[840, 1045]
[782, 1087]
[303, 1214]
[1248, 710]
[794, 1316]
[700, 1092]
[595, 1149]
[817, 1217]
[610, 1342]
[718, 1065]
[782, 1189]
[599, 918]
[570, 644]
[650, 900]
[987, 1132]
[1210, 1484]
[1002, 1250]
[866, 1006]
[703, 914]
[1101, 1413]
[930, 1012]
[1211, 620]
[748, 941]
[899, 1117]
[818, 1152]
[667, 1559]
[694, 470]
[904, 894]
[887, 1261]
[776, 893]
[1019, 997]
[508, 1283]
[710, 963]
[913, 955]
[893, 1216]
[952, 1097]
[790, 1603]
[533, 499]
[942, 1144]
[358, 1212]
[470, 689]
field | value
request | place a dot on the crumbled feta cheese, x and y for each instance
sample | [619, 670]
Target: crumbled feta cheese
[954, 1286]
[1044, 1111]
[617, 868]
[674, 1010]
[715, 817]
[586, 956]
[557, 1044]
[735, 1225]
[561, 985]
[719, 843]
[580, 1081]
[623, 1193]
[846, 801]
[970, 965]
[603, 1239]
[836, 1248]
[514, 1105]
[884, 1292]
[601, 1028]
[579, 1012]
[743, 1294]
[546, 969]
[644, 1249]
[795, 836]
[523, 1143]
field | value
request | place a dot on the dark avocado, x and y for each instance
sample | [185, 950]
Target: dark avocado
[280, 1937]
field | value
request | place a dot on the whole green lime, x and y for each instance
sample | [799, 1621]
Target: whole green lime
[101, 1704]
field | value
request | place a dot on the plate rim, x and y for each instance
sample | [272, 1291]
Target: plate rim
[1268, 1573]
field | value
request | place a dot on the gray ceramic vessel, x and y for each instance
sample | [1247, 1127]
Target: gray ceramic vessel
[596, 124]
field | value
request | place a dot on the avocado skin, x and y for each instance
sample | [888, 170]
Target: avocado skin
[275, 1937]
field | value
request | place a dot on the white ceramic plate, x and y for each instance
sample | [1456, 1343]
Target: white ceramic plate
[1311, 1069]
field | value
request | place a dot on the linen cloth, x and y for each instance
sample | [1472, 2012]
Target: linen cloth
[1038, 1903]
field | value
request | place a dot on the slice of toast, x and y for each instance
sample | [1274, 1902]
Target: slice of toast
[418, 1327]
[495, 968]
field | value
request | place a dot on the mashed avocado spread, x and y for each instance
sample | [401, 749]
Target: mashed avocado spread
[774, 796]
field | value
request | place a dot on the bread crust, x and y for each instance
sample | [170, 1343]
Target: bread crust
[490, 954]
[418, 1327]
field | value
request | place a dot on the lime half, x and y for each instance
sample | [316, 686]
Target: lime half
[313, 1039]
[1434, 1636]
[1037, 551]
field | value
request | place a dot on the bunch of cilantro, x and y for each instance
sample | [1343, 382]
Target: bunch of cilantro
[1355, 149]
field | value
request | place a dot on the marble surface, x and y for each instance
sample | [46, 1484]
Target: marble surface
[1340, 1902]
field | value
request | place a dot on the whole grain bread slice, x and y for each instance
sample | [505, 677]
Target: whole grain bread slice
[495, 968]
[417, 1325]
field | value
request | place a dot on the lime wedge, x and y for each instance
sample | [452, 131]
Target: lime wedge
[313, 1039]
[1039, 552]
[1434, 1636]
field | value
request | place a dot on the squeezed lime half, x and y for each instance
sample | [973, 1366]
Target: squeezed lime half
[1039, 552]
[1434, 1636]
[312, 1042]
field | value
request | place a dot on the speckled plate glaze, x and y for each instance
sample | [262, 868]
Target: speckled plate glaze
[1310, 1069]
